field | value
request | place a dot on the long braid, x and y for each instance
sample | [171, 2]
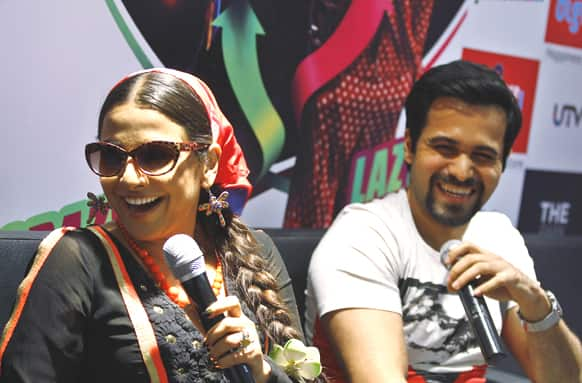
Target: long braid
[242, 263]
[256, 284]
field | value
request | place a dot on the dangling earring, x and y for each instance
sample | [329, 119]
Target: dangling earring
[215, 205]
[97, 204]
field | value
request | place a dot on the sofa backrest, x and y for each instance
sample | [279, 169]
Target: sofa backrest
[558, 265]
[18, 247]
[296, 247]
[16, 251]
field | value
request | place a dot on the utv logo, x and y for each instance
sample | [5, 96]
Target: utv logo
[567, 116]
[565, 23]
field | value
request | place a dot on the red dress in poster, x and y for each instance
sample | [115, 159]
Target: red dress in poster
[356, 110]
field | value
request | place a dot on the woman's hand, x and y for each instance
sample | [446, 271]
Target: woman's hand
[234, 340]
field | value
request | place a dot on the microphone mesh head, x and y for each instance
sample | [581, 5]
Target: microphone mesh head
[184, 257]
[446, 247]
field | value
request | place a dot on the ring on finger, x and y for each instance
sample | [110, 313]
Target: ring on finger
[245, 339]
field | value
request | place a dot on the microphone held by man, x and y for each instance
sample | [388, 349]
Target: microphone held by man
[477, 314]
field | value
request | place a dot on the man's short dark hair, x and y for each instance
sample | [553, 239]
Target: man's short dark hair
[472, 83]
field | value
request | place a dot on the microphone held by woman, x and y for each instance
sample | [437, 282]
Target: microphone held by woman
[187, 263]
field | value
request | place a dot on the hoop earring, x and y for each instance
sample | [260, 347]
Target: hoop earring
[215, 205]
[97, 205]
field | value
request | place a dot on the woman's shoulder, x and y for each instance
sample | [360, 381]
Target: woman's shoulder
[66, 261]
[262, 237]
[81, 239]
[268, 250]
[78, 246]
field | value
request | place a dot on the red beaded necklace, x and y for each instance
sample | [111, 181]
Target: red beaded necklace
[178, 296]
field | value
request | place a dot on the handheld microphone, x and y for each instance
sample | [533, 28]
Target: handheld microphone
[187, 263]
[477, 314]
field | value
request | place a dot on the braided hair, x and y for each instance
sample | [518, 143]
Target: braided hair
[243, 263]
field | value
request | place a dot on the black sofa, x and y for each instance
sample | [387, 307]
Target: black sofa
[558, 264]
[18, 247]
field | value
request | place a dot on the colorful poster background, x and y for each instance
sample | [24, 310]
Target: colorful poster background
[59, 60]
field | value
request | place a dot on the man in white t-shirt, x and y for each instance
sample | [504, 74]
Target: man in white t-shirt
[382, 307]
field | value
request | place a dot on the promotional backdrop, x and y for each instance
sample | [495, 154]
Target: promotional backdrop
[314, 90]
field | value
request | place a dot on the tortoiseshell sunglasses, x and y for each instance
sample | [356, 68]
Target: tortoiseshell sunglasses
[154, 158]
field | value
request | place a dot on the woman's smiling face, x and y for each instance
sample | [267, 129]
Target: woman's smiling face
[152, 207]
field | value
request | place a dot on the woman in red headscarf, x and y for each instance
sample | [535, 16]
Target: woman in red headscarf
[102, 304]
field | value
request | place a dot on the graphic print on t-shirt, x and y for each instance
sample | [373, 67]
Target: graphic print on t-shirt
[436, 327]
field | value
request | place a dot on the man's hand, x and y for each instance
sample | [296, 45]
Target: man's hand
[553, 355]
[497, 279]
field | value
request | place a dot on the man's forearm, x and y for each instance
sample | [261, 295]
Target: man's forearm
[555, 355]
[369, 343]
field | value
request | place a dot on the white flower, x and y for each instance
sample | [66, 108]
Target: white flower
[297, 360]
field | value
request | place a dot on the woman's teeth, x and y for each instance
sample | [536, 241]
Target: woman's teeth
[140, 201]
